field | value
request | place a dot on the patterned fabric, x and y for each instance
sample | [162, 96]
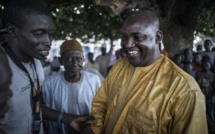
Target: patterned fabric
[160, 98]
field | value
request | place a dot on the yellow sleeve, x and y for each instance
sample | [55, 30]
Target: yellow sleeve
[99, 108]
[100, 101]
[190, 114]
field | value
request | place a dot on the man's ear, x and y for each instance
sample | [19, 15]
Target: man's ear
[60, 60]
[11, 30]
[159, 36]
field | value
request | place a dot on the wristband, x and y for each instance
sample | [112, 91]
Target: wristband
[59, 118]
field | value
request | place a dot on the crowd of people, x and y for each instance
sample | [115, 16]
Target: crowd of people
[142, 91]
[201, 66]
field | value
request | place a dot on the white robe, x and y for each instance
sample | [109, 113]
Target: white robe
[74, 98]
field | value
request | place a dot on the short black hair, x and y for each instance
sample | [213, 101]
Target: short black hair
[186, 50]
[206, 58]
[148, 14]
[16, 11]
[208, 41]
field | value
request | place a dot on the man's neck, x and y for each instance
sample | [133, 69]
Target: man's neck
[22, 57]
[25, 59]
[72, 78]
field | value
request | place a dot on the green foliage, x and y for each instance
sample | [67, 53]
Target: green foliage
[84, 20]
[206, 20]
[91, 22]
[87, 22]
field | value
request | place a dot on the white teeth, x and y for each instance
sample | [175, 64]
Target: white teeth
[132, 52]
[44, 52]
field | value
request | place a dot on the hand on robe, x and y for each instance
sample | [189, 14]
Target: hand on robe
[77, 122]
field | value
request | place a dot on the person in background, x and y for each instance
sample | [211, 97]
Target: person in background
[188, 68]
[70, 92]
[188, 55]
[208, 51]
[104, 60]
[146, 92]
[91, 64]
[206, 77]
[5, 80]
[120, 54]
[53, 68]
[29, 26]
[45, 63]
[177, 59]
[197, 62]
[206, 81]
[208, 45]
[208, 58]
[199, 48]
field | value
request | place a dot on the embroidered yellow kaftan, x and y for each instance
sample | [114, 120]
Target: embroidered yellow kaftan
[160, 98]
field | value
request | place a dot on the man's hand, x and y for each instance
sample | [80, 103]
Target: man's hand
[77, 122]
[87, 129]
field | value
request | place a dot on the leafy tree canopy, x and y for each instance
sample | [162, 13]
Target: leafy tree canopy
[87, 21]
[90, 22]
[206, 20]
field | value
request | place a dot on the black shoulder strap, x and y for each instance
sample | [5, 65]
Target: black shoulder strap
[17, 62]
[36, 94]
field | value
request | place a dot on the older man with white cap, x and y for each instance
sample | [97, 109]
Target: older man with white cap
[70, 92]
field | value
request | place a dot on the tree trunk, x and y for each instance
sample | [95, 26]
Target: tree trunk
[176, 38]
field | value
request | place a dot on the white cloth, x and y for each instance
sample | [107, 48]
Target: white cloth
[74, 98]
[48, 71]
[18, 120]
[104, 61]
[96, 72]
[90, 65]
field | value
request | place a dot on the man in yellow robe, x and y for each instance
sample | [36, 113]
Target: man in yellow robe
[146, 92]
